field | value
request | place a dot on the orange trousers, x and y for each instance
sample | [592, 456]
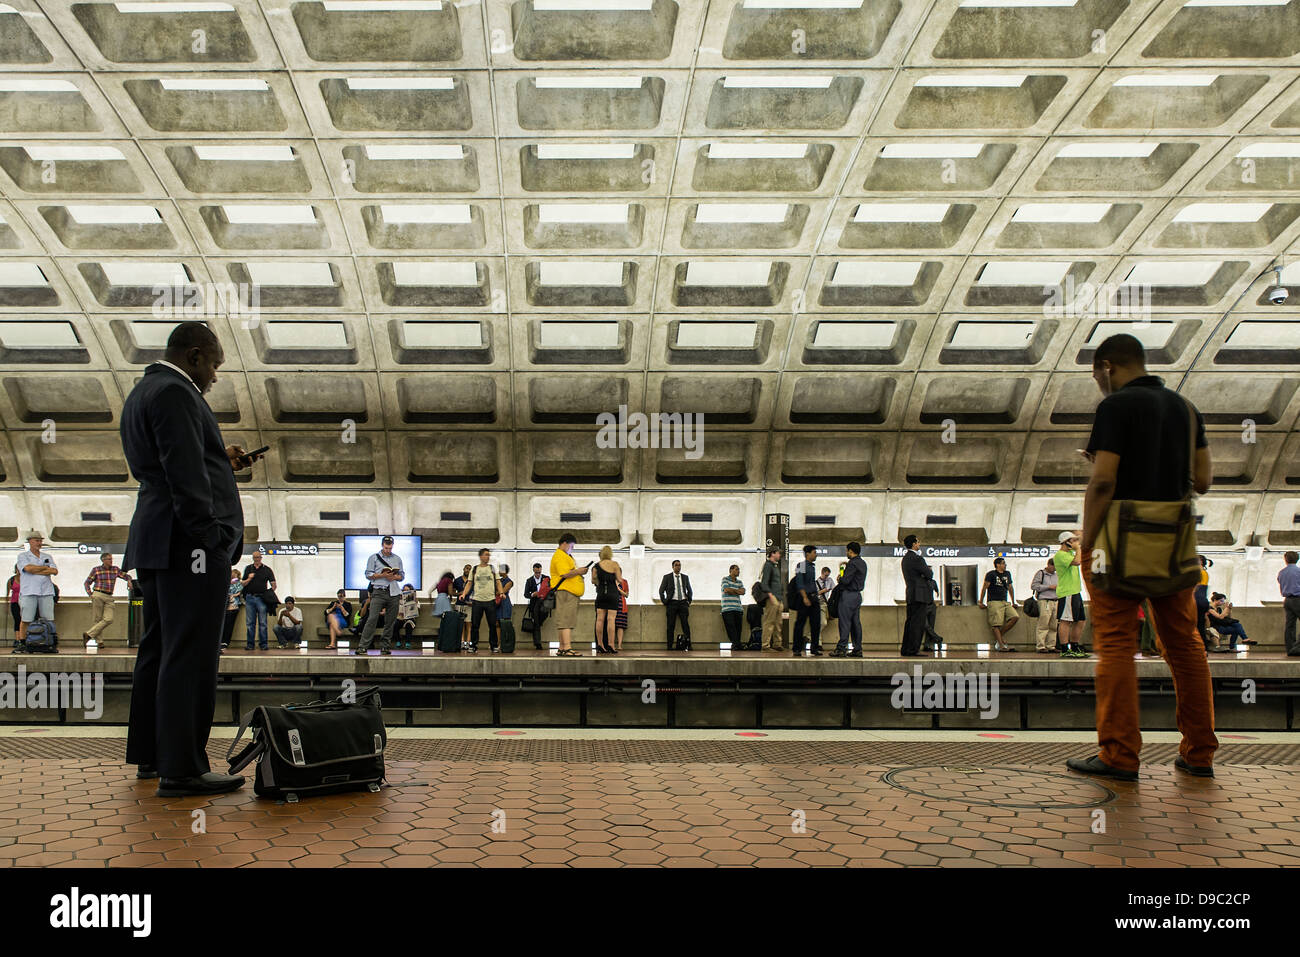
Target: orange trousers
[1116, 642]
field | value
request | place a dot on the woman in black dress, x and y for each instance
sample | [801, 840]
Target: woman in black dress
[606, 575]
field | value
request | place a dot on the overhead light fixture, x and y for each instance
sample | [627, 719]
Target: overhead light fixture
[991, 334]
[588, 82]
[697, 334]
[1005, 272]
[875, 273]
[1222, 212]
[741, 212]
[580, 273]
[742, 273]
[854, 334]
[1107, 150]
[36, 86]
[114, 215]
[258, 214]
[290, 273]
[757, 150]
[594, 6]
[397, 151]
[443, 214]
[400, 83]
[973, 79]
[803, 4]
[245, 154]
[174, 7]
[295, 334]
[40, 335]
[1154, 335]
[407, 273]
[745, 81]
[1060, 213]
[901, 212]
[585, 151]
[21, 274]
[1167, 79]
[563, 334]
[145, 274]
[1236, 3]
[43, 152]
[442, 334]
[1017, 3]
[221, 85]
[1255, 334]
[366, 6]
[583, 212]
[931, 150]
[1270, 150]
[1196, 272]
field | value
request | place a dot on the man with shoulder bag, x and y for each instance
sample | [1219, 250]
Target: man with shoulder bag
[1149, 457]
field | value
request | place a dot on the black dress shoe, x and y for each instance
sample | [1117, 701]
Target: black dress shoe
[854, 654]
[1200, 771]
[817, 653]
[1095, 765]
[146, 772]
[209, 783]
[911, 654]
[837, 653]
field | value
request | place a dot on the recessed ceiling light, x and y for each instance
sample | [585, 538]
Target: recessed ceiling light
[1222, 212]
[1236, 3]
[851, 334]
[114, 215]
[901, 212]
[36, 86]
[293, 334]
[258, 214]
[743, 273]
[41, 335]
[875, 273]
[1271, 150]
[1006, 272]
[931, 150]
[73, 153]
[1153, 335]
[1060, 213]
[803, 4]
[757, 150]
[991, 334]
[747, 81]
[290, 274]
[445, 214]
[174, 7]
[701, 334]
[580, 272]
[741, 212]
[588, 82]
[1107, 150]
[557, 334]
[592, 5]
[400, 83]
[397, 151]
[1264, 335]
[21, 274]
[145, 274]
[1173, 273]
[366, 6]
[424, 334]
[1017, 3]
[245, 154]
[583, 212]
[1167, 79]
[973, 79]
[585, 151]
[234, 83]
[408, 273]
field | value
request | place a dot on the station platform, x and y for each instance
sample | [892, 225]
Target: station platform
[1255, 690]
[531, 797]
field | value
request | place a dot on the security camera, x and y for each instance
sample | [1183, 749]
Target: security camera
[1278, 294]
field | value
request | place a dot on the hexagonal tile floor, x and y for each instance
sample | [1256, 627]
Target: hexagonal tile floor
[671, 810]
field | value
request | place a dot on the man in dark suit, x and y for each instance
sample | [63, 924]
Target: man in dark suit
[187, 530]
[920, 589]
[675, 593]
[535, 610]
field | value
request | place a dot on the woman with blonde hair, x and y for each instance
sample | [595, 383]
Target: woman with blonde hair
[606, 575]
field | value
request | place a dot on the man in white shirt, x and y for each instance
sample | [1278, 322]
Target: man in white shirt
[36, 573]
[288, 632]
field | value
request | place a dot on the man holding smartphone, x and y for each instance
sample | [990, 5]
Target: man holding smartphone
[568, 585]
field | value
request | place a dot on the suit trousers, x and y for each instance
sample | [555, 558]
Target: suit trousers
[174, 691]
[850, 621]
[675, 611]
[1292, 606]
[811, 614]
[917, 626]
[1115, 640]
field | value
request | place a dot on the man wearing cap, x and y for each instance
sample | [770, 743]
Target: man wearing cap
[36, 573]
[385, 570]
[99, 586]
[1069, 597]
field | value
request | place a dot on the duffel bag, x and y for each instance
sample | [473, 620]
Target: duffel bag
[449, 632]
[318, 748]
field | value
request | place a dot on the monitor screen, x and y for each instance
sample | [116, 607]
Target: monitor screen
[357, 550]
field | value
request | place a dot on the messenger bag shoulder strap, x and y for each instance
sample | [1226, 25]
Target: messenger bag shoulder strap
[1191, 454]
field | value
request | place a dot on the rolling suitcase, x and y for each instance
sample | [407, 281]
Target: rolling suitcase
[449, 631]
[506, 636]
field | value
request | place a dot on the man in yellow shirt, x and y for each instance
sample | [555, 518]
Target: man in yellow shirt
[567, 582]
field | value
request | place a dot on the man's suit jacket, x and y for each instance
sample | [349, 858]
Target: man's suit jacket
[530, 586]
[666, 588]
[918, 578]
[188, 498]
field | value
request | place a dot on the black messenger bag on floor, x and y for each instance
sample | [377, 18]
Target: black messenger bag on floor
[318, 748]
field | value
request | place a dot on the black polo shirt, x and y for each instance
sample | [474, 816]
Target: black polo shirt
[999, 583]
[1146, 425]
[262, 578]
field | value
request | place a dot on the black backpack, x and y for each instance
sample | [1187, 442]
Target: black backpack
[833, 602]
[42, 637]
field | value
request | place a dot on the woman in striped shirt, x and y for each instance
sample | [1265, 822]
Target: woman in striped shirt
[732, 590]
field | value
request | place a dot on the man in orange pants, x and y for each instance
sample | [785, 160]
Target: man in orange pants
[1134, 459]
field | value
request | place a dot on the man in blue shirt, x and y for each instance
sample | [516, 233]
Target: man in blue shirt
[806, 606]
[35, 584]
[385, 570]
[1288, 583]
